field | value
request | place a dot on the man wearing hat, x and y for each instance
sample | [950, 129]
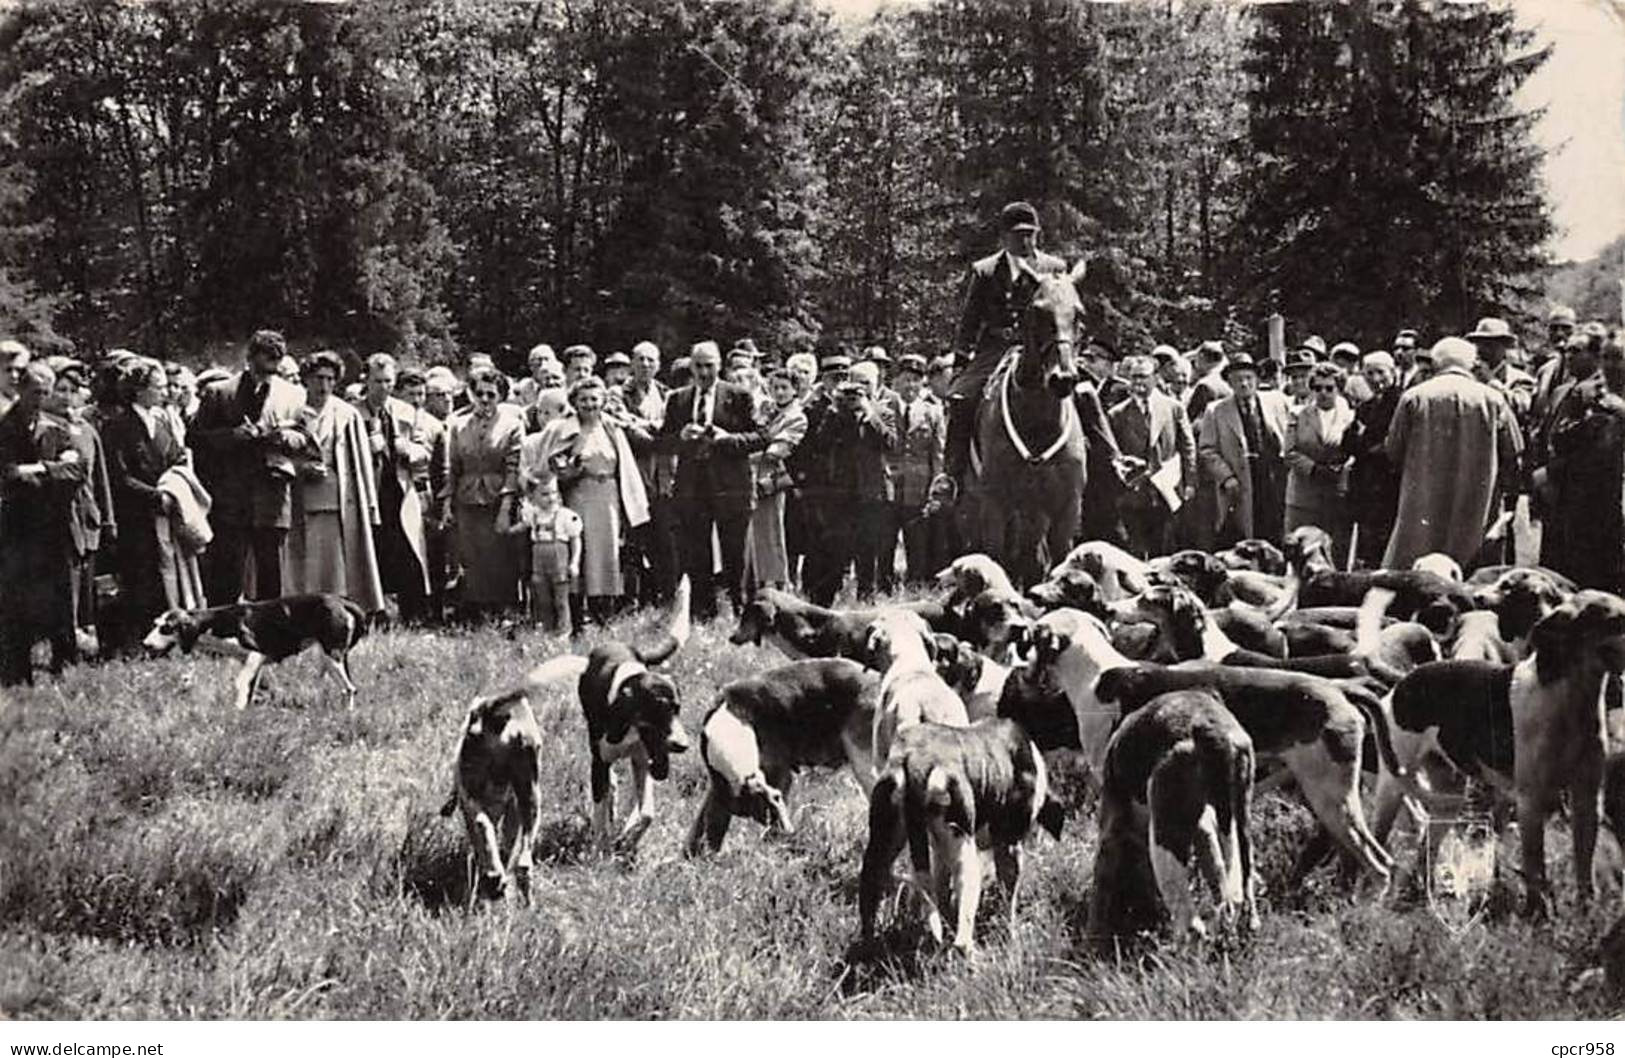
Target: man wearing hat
[1346, 355]
[617, 369]
[1549, 370]
[1456, 442]
[1210, 385]
[1240, 446]
[1299, 362]
[922, 436]
[1494, 340]
[821, 527]
[997, 291]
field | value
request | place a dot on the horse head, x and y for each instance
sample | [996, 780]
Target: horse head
[1050, 333]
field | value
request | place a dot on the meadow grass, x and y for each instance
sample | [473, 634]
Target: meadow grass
[163, 856]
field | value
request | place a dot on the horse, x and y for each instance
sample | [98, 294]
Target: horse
[1027, 467]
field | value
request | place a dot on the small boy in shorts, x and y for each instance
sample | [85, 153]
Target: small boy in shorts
[555, 550]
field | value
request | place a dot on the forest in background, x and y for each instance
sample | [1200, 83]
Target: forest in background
[434, 177]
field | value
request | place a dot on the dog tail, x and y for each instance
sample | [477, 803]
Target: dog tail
[553, 671]
[1288, 601]
[360, 621]
[677, 632]
[1368, 634]
[1376, 715]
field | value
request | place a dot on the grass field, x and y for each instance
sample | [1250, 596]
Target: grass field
[162, 856]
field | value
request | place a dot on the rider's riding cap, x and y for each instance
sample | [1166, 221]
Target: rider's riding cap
[1019, 216]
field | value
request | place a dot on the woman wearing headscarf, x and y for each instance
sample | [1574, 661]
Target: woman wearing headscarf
[1317, 466]
[601, 482]
[335, 500]
[484, 474]
[767, 558]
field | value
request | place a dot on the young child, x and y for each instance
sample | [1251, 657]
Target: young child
[555, 550]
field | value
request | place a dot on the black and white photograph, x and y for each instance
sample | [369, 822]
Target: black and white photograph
[739, 511]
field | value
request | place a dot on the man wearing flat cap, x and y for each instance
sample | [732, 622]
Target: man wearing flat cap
[997, 291]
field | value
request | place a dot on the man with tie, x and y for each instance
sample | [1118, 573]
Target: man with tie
[1151, 427]
[711, 425]
[243, 439]
[996, 296]
[401, 453]
[1240, 445]
[921, 437]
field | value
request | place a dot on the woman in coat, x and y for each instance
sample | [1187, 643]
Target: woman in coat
[1317, 466]
[484, 473]
[600, 481]
[767, 558]
[335, 500]
[141, 446]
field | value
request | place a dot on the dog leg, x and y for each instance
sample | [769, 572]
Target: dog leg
[1007, 867]
[643, 812]
[944, 855]
[1585, 803]
[482, 838]
[1532, 813]
[964, 868]
[886, 839]
[605, 786]
[341, 667]
[1333, 792]
[1170, 839]
[528, 795]
[711, 822]
[248, 678]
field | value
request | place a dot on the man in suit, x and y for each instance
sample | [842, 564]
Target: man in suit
[922, 435]
[997, 292]
[400, 456]
[1210, 385]
[432, 484]
[711, 425]
[1151, 427]
[244, 438]
[641, 403]
[1241, 439]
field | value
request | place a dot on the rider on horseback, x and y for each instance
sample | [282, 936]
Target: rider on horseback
[997, 294]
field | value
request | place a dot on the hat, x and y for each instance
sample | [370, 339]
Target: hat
[617, 360]
[868, 371]
[743, 356]
[1380, 359]
[1163, 354]
[61, 365]
[209, 376]
[1239, 362]
[1314, 342]
[944, 362]
[1406, 335]
[411, 376]
[912, 363]
[835, 362]
[1300, 359]
[1018, 216]
[1561, 314]
[1346, 349]
[745, 345]
[876, 354]
[1490, 328]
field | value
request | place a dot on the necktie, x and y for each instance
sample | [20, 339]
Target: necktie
[907, 408]
[701, 411]
[1249, 424]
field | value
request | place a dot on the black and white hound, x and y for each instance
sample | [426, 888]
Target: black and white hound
[498, 789]
[269, 631]
[947, 792]
[1533, 731]
[1177, 790]
[901, 647]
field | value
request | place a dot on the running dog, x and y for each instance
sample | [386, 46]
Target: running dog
[269, 631]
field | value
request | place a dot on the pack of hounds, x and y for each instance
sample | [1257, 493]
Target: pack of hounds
[1185, 684]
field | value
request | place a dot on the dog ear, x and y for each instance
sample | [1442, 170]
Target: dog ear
[187, 631]
[1093, 564]
[1052, 817]
[1047, 644]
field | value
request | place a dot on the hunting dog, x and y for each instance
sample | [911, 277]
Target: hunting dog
[269, 631]
[1384, 654]
[498, 788]
[970, 575]
[1254, 554]
[946, 792]
[1177, 787]
[1532, 730]
[1117, 573]
[1216, 584]
[1420, 595]
[800, 629]
[1314, 726]
[900, 646]
[632, 715]
[975, 677]
[764, 728]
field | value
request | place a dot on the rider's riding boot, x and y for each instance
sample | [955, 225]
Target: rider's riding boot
[961, 425]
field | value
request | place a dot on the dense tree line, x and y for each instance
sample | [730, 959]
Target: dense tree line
[436, 175]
